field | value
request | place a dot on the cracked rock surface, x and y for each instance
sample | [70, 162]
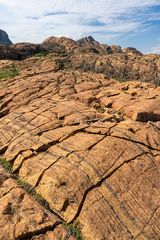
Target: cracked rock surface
[88, 144]
[22, 217]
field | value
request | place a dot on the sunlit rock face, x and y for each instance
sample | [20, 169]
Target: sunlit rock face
[89, 55]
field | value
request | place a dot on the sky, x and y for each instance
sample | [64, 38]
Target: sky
[128, 23]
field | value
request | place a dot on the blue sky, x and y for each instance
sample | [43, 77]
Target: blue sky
[134, 23]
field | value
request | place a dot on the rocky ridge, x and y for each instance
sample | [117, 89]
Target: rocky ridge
[89, 55]
[88, 144]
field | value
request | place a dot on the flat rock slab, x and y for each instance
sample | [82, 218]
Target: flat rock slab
[145, 110]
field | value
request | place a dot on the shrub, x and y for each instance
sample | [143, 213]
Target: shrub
[74, 230]
[40, 54]
[9, 72]
[7, 165]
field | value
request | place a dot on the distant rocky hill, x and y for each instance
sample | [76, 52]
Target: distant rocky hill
[88, 54]
[4, 38]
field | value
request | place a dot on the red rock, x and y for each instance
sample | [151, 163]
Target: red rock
[88, 144]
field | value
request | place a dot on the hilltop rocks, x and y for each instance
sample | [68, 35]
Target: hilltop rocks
[126, 64]
[19, 51]
[129, 67]
[88, 40]
[27, 49]
[89, 44]
[4, 38]
[89, 55]
[7, 52]
[66, 43]
[132, 51]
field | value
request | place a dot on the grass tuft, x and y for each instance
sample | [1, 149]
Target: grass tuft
[27, 187]
[40, 54]
[9, 72]
[7, 165]
[74, 230]
[31, 191]
[120, 79]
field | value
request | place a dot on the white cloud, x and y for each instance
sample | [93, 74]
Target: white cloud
[156, 49]
[27, 20]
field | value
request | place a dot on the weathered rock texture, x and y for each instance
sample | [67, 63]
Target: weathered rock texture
[89, 55]
[22, 218]
[4, 38]
[88, 144]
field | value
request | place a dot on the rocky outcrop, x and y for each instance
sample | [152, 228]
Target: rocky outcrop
[130, 67]
[131, 51]
[66, 43]
[7, 52]
[21, 51]
[89, 44]
[88, 144]
[88, 41]
[89, 55]
[4, 38]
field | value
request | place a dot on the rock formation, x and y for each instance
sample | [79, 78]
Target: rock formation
[81, 147]
[4, 38]
[89, 55]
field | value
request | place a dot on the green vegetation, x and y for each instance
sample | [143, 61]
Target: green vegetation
[74, 230]
[40, 54]
[10, 72]
[31, 191]
[120, 78]
[157, 83]
[7, 165]
[61, 65]
[27, 187]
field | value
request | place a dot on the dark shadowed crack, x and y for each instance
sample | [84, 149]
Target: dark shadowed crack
[16, 171]
[9, 191]
[27, 188]
[135, 141]
[93, 145]
[41, 175]
[4, 112]
[46, 130]
[100, 182]
[35, 233]
[3, 150]
[26, 123]
[4, 104]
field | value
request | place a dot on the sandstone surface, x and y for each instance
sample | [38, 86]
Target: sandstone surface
[89, 55]
[88, 144]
